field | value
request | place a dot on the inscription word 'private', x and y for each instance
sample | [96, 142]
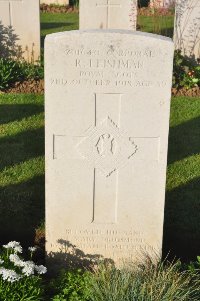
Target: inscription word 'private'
[24, 18]
[108, 14]
[106, 151]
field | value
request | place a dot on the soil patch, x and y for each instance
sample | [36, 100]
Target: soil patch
[37, 87]
[28, 86]
[194, 92]
[45, 8]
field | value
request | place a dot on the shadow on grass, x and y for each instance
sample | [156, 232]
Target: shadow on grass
[21, 147]
[21, 205]
[54, 25]
[182, 212]
[22, 209]
[184, 140]
[10, 113]
[182, 221]
[167, 32]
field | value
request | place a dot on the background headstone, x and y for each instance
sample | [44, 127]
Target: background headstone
[106, 150]
[187, 28]
[59, 2]
[108, 14]
[24, 17]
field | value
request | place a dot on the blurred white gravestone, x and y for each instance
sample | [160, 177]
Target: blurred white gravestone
[107, 121]
[108, 14]
[58, 2]
[24, 18]
[187, 28]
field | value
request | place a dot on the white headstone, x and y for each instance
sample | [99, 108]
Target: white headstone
[108, 14]
[107, 121]
[57, 2]
[24, 17]
[187, 28]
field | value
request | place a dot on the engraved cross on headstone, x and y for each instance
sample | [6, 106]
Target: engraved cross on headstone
[109, 4]
[10, 8]
[107, 148]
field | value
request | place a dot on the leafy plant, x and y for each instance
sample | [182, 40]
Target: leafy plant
[12, 71]
[193, 266]
[18, 279]
[31, 71]
[72, 286]
[185, 73]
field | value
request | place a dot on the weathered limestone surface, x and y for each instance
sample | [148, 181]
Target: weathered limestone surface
[107, 120]
[108, 14]
[24, 17]
[59, 2]
[187, 28]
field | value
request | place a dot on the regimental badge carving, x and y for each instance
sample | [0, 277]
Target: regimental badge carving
[106, 144]
[106, 147]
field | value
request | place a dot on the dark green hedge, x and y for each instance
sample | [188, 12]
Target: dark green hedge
[143, 3]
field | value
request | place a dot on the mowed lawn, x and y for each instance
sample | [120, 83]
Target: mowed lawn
[163, 25]
[51, 23]
[22, 172]
[21, 166]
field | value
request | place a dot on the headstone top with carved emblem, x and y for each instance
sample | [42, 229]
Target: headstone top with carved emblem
[107, 121]
[108, 14]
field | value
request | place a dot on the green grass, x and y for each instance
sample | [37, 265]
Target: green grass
[163, 25]
[21, 166]
[51, 23]
[22, 172]
[182, 214]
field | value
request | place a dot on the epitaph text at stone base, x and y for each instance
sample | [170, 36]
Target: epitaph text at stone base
[107, 121]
